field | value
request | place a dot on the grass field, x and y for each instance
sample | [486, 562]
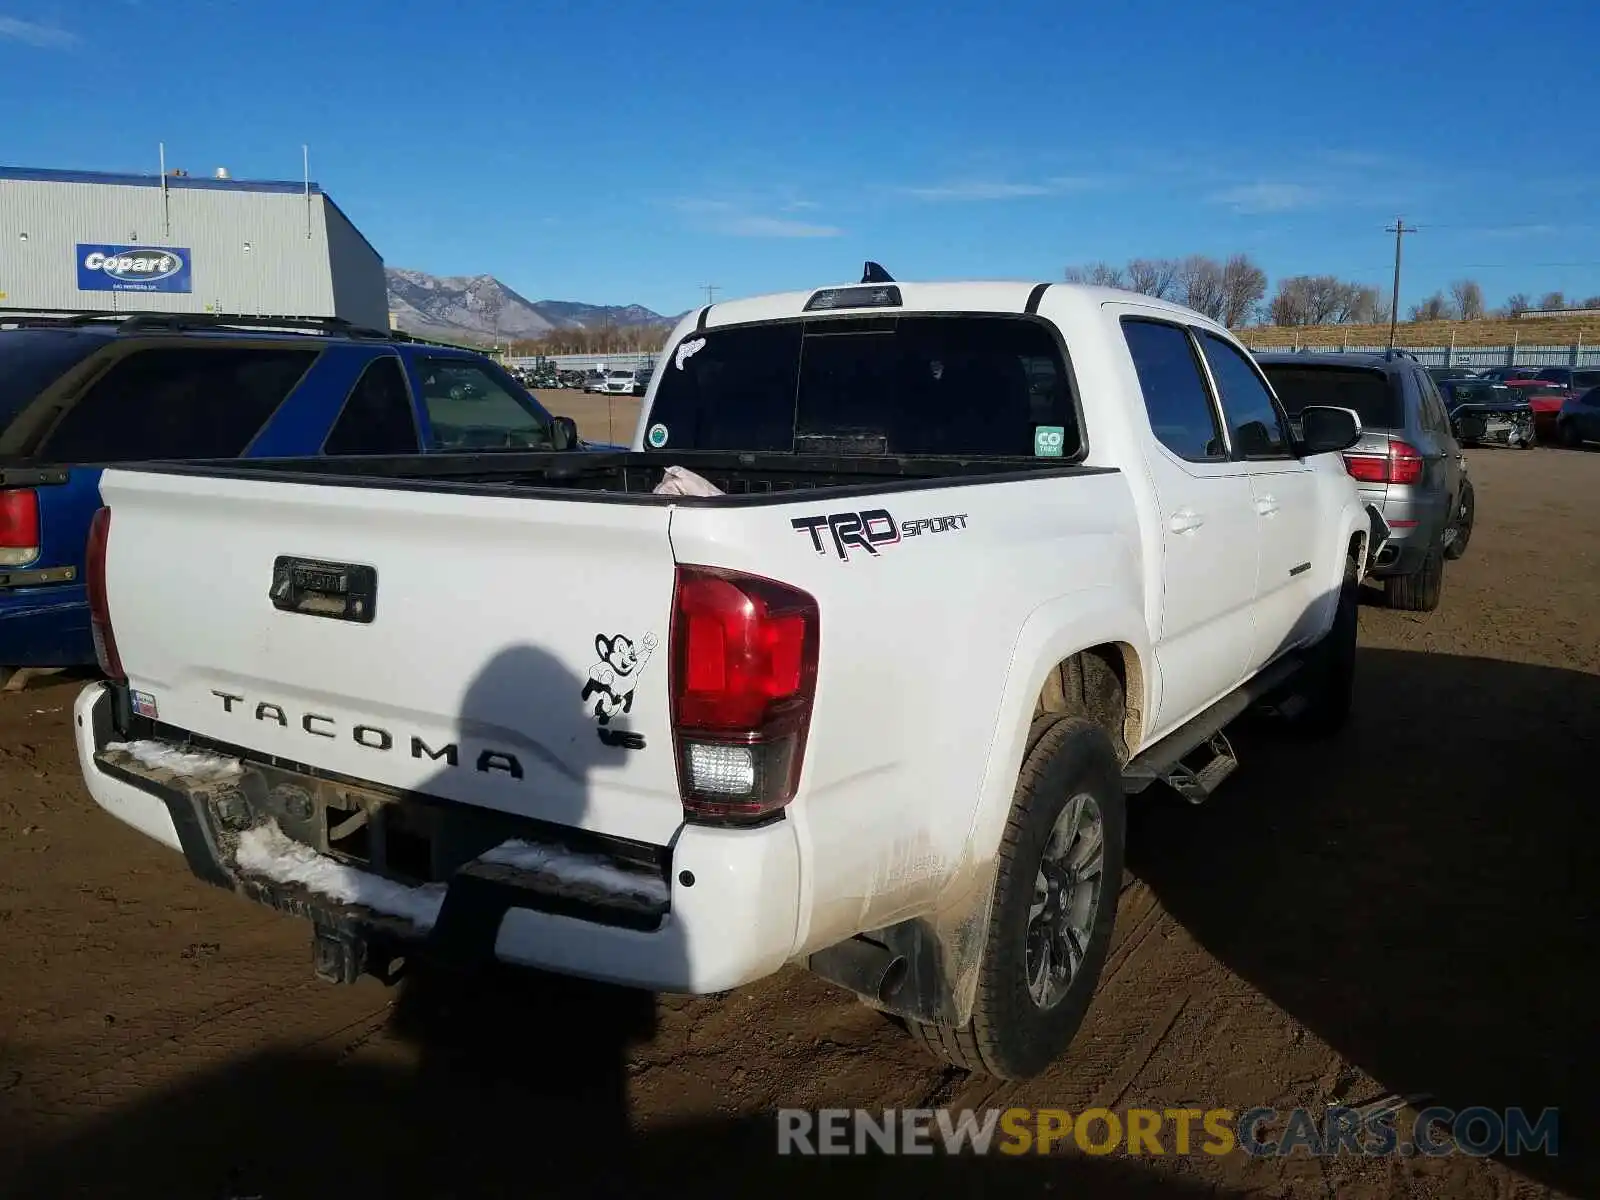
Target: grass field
[1545, 331]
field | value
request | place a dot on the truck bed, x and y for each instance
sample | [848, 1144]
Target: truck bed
[631, 476]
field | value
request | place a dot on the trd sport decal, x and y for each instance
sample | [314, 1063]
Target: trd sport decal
[869, 531]
[612, 681]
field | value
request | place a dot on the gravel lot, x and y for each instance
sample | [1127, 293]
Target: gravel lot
[1409, 909]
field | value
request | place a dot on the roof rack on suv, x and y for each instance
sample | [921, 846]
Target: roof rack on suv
[145, 322]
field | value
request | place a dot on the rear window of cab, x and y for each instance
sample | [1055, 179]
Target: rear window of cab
[912, 385]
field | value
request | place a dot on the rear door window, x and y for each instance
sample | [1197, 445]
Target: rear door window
[1369, 392]
[377, 414]
[936, 386]
[174, 402]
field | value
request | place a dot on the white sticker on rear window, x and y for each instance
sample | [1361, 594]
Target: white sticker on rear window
[657, 436]
[687, 350]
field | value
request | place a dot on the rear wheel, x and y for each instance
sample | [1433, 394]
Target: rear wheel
[1058, 877]
[1419, 591]
[1465, 514]
[1567, 434]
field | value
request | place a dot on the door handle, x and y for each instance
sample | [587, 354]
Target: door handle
[1185, 520]
[1266, 505]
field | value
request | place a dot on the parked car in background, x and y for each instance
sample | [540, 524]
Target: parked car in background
[1579, 380]
[1578, 420]
[1442, 373]
[79, 393]
[620, 383]
[1484, 411]
[1507, 374]
[1545, 400]
[1407, 463]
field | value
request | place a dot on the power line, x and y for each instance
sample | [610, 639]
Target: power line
[711, 290]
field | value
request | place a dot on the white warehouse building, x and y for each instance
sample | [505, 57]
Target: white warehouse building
[86, 241]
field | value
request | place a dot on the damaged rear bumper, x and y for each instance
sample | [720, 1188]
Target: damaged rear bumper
[715, 910]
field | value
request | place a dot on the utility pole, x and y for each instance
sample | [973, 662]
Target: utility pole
[1399, 230]
[711, 291]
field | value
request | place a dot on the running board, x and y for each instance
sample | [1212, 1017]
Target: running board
[1196, 784]
[1164, 761]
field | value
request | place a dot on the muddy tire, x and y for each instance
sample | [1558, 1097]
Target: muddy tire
[1466, 513]
[1419, 591]
[1058, 878]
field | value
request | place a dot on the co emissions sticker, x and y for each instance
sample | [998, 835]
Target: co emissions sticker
[657, 436]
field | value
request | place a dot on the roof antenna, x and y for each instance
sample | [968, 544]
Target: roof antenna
[873, 273]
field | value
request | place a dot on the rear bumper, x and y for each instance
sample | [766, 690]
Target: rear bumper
[45, 627]
[725, 916]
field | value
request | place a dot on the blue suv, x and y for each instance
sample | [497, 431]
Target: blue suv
[82, 392]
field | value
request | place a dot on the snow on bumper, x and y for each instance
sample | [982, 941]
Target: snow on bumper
[722, 914]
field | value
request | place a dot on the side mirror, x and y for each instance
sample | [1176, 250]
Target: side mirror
[1326, 430]
[564, 433]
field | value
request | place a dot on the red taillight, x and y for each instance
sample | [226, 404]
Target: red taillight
[1405, 462]
[1402, 464]
[94, 576]
[19, 526]
[744, 674]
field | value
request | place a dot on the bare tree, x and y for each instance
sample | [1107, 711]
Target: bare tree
[1468, 299]
[1518, 303]
[1244, 285]
[1313, 300]
[1100, 274]
[1553, 300]
[1591, 302]
[1156, 277]
[1199, 285]
[1434, 308]
[1366, 305]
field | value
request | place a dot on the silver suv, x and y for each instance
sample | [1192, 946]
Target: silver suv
[1407, 463]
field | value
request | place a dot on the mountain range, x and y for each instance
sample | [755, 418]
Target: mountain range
[481, 308]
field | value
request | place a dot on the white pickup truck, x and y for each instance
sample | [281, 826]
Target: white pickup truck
[976, 562]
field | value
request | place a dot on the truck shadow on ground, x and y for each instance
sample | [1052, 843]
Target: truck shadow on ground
[1419, 892]
[496, 1083]
[481, 1083]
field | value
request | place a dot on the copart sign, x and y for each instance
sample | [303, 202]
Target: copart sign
[133, 269]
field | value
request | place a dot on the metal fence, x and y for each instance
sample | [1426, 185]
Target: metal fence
[590, 362]
[1480, 357]
[1465, 356]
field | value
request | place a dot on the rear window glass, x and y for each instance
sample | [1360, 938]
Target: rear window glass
[32, 359]
[905, 385]
[1370, 393]
[177, 402]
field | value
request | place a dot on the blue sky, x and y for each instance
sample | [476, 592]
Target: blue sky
[630, 152]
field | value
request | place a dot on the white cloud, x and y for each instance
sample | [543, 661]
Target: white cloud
[733, 220]
[775, 227]
[996, 189]
[34, 34]
[1267, 197]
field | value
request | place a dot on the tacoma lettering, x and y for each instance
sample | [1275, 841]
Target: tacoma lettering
[373, 737]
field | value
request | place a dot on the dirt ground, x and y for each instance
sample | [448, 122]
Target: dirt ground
[1409, 909]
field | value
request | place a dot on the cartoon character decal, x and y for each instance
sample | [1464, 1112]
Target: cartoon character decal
[612, 680]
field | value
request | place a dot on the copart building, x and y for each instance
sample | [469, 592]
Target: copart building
[83, 240]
